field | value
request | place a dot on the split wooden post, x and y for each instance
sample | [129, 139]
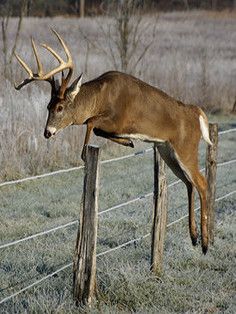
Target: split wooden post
[84, 283]
[159, 212]
[211, 165]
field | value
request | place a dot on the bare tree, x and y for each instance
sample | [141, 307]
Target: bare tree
[234, 4]
[214, 4]
[8, 52]
[186, 4]
[82, 8]
[126, 35]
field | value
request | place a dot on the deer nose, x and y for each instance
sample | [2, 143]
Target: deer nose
[47, 133]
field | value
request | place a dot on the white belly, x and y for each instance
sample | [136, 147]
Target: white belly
[141, 137]
[167, 153]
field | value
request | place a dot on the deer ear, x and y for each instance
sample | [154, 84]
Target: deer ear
[73, 90]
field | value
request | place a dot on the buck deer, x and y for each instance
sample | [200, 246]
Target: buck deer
[121, 108]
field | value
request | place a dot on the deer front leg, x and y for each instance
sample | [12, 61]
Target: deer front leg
[122, 141]
[111, 136]
[86, 140]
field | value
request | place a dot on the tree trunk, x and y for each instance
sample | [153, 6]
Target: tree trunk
[82, 8]
[214, 4]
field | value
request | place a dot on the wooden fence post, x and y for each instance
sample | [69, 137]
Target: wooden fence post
[84, 283]
[211, 159]
[159, 212]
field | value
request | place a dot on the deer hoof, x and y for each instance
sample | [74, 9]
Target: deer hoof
[204, 249]
[131, 144]
[194, 240]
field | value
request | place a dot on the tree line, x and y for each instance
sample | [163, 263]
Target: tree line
[44, 8]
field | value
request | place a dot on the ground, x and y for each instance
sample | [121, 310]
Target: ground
[190, 282]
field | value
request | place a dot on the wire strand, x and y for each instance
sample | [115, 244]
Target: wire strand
[227, 131]
[35, 283]
[81, 167]
[141, 197]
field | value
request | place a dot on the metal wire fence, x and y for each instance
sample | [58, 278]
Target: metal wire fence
[71, 223]
[37, 282]
[148, 150]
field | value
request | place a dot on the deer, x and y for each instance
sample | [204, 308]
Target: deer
[123, 108]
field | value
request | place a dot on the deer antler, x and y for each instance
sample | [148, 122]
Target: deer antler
[40, 76]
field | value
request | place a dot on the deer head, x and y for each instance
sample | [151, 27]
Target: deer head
[62, 97]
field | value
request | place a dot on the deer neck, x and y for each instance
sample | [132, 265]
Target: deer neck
[86, 104]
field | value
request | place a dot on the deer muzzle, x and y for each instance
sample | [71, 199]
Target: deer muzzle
[49, 131]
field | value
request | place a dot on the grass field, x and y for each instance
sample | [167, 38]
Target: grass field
[190, 283]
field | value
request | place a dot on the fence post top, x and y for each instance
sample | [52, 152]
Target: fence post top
[93, 149]
[93, 146]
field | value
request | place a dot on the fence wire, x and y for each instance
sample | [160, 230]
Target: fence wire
[105, 211]
[227, 131]
[71, 223]
[148, 150]
[103, 162]
[103, 253]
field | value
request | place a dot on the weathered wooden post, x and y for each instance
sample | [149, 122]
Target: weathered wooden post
[85, 251]
[159, 212]
[211, 164]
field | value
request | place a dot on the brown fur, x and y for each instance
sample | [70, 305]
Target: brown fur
[116, 103]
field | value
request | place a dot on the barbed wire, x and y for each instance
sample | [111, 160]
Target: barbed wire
[103, 253]
[139, 198]
[142, 152]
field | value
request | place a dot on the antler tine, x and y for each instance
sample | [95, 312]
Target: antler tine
[39, 64]
[28, 70]
[40, 76]
[67, 51]
[53, 53]
[63, 65]
[69, 64]
[24, 65]
[23, 83]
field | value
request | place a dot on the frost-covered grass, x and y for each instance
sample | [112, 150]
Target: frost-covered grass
[192, 59]
[190, 282]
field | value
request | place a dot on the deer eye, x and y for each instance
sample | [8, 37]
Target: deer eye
[59, 108]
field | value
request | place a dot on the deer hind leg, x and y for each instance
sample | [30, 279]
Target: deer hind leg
[192, 223]
[190, 167]
[201, 186]
[168, 154]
